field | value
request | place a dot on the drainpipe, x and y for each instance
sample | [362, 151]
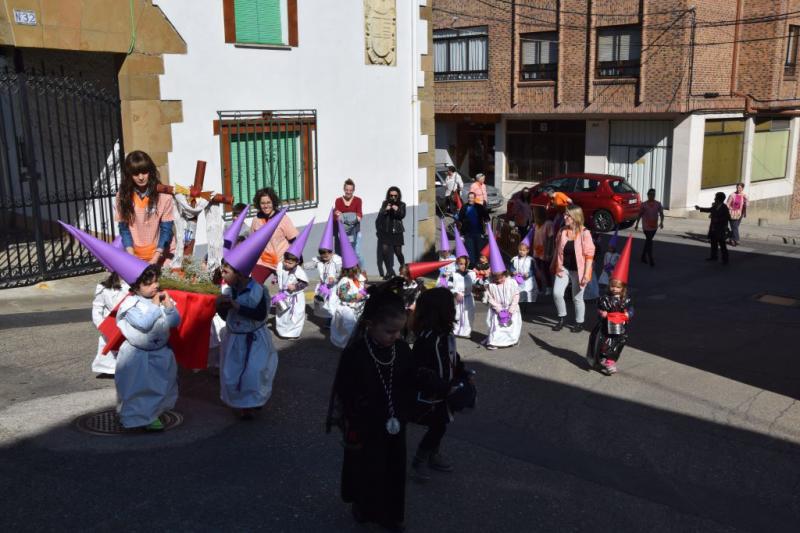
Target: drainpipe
[736, 35]
[513, 52]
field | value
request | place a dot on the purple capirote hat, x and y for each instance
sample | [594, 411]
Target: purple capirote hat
[231, 234]
[529, 237]
[296, 249]
[327, 236]
[614, 239]
[349, 257]
[461, 250]
[127, 266]
[117, 243]
[496, 264]
[444, 243]
[244, 256]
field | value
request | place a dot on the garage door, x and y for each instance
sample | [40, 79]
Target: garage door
[641, 152]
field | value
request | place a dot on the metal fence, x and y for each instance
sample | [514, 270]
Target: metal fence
[60, 159]
[275, 149]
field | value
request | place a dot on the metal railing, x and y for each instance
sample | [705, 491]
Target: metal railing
[270, 148]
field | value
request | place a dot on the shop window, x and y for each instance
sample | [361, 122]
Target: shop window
[770, 150]
[260, 22]
[790, 65]
[722, 153]
[539, 150]
[539, 56]
[269, 149]
[461, 54]
[618, 51]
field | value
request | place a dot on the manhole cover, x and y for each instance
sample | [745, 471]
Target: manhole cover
[107, 423]
[778, 300]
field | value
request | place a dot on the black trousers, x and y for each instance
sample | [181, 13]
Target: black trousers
[386, 255]
[433, 437]
[718, 241]
[649, 235]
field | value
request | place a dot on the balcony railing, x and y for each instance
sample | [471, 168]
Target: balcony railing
[618, 69]
[541, 71]
[461, 75]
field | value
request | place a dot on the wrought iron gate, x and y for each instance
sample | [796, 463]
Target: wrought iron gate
[60, 160]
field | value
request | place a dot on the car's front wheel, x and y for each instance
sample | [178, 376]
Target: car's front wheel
[603, 221]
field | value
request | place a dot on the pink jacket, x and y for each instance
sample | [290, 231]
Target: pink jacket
[480, 192]
[584, 250]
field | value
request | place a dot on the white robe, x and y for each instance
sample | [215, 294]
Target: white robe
[289, 324]
[147, 374]
[448, 270]
[528, 291]
[505, 296]
[465, 310]
[328, 274]
[245, 379]
[105, 300]
[347, 313]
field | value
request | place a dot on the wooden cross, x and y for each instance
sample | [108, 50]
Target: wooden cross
[194, 192]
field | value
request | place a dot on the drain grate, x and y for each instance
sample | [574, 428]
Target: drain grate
[778, 300]
[107, 423]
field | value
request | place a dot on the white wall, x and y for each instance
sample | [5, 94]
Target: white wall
[367, 127]
[687, 165]
[596, 158]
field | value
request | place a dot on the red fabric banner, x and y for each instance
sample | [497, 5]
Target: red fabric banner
[189, 340]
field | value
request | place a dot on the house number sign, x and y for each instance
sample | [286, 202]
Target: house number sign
[25, 17]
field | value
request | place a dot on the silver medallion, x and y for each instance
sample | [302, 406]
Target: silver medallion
[393, 426]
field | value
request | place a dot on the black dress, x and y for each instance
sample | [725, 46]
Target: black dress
[605, 345]
[374, 466]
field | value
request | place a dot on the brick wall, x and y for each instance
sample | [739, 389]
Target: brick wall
[667, 64]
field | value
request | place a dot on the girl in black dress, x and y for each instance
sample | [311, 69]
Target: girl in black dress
[372, 396]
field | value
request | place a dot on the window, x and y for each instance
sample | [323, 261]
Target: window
[621, 187]
[790, 67]
[618, 51]
[586, 185]
[770, 150]
[260, 22]
[539, 56]
[722, 153]
[563, 184]
[269, 149]
[461, 54]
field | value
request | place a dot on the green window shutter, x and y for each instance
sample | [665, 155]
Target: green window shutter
[269, 159]
[258, 21]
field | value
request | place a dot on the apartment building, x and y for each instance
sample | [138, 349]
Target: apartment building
[688, 98]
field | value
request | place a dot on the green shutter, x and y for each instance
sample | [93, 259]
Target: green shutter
[266, 160]
[258, 21]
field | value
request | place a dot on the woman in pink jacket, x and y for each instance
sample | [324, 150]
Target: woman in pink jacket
[572, 262]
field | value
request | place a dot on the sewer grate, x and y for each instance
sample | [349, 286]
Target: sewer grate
[778, 300]
[107, 423]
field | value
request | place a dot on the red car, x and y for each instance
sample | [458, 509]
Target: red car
[607, 201]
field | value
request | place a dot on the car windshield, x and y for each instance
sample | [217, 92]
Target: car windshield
[621, 186]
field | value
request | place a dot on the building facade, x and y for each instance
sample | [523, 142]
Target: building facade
[266, 92]
[688, 98]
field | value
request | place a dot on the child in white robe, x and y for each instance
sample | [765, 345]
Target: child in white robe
[248, 359]
[107, 295]
[146, 373]
[290, 302]
[523, 270]
[503, 319]
[461, 287]
[329, 268]
[351, 291]
[446, 271]
[609, 262]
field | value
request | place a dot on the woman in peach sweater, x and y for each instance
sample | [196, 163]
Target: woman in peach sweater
[266, 201]
[572, 262]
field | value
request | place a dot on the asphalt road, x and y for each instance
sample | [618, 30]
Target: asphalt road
[700, 430]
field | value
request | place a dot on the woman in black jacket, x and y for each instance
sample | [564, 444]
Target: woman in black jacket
[389, 226]
[435, 356]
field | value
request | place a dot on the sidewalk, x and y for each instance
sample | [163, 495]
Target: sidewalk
[788, 233]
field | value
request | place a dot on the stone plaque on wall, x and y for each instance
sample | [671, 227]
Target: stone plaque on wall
[380, 32]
